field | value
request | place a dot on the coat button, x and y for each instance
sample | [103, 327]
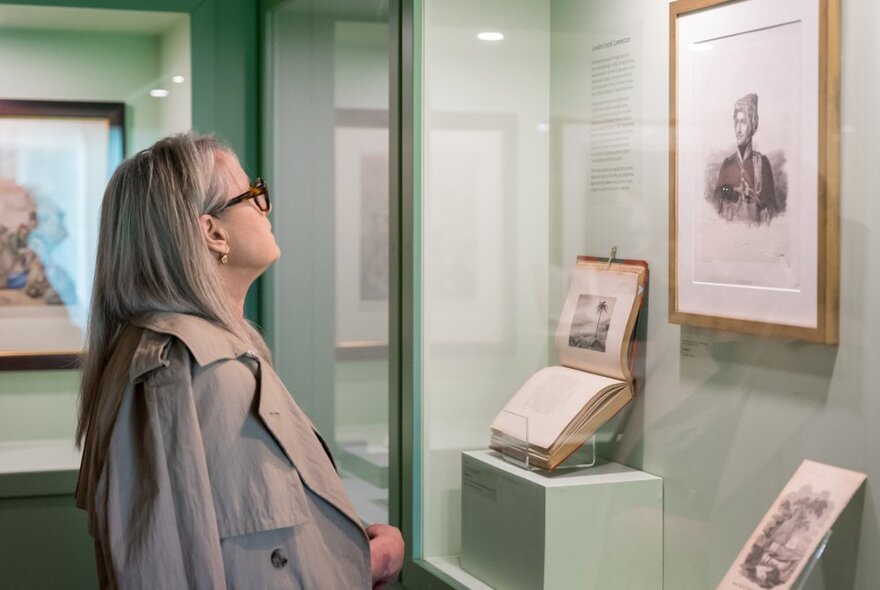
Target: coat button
[278, 560]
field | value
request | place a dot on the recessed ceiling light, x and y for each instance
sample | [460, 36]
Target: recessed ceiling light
[490, 36]
[158, 93]
[177, 79]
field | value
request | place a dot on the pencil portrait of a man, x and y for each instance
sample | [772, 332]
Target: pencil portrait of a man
[745, 190]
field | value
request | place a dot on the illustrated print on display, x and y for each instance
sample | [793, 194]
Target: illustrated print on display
[747, 186]
[788, 537]
[591, 322]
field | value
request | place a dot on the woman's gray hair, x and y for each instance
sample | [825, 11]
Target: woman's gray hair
[152, 255]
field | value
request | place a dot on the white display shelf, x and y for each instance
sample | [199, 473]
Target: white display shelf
[38, 467]
[451, 566]
[30, 456]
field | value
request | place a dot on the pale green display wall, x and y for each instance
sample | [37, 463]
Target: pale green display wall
[344, 57]
[727, 427]
[361, 82]
[725, 423]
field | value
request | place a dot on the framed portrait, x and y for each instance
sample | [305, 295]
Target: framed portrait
[754, 167]
[361, 209]
[55, 160]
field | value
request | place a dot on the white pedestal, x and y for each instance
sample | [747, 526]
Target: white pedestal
[599, 527]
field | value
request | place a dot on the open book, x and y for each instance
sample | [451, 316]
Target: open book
[560, 407]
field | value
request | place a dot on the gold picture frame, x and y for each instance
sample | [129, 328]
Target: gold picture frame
[754, 236]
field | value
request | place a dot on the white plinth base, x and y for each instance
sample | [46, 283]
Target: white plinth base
[599, 527]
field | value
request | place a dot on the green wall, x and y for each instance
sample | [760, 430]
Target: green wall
[60, 65]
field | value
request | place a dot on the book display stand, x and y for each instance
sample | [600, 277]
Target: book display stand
[517, 452]
[802, 580]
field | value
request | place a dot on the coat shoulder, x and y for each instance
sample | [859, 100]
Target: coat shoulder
[206, 341]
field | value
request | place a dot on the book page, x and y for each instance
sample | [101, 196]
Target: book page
[550, 399]
[789, 533]
[596, 320]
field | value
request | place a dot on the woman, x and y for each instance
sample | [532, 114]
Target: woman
[199, 470]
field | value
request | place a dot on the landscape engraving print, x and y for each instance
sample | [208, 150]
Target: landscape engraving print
[791, 531]
[592, 320]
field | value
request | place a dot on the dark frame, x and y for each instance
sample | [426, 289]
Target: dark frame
[114, 114]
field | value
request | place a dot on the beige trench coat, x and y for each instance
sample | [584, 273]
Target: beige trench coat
[212, 476]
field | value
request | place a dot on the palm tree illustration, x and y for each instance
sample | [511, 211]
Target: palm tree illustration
[600, 309]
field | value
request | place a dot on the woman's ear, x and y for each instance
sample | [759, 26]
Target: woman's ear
[214, 234]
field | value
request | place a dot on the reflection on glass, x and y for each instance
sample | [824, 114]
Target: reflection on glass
[531, 156]
[485, 235]
[328, 139]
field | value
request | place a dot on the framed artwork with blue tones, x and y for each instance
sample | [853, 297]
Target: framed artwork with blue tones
[55, 160]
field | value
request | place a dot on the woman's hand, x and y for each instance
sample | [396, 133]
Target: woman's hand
[386, 554]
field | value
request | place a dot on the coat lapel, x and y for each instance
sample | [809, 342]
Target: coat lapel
[295, 433]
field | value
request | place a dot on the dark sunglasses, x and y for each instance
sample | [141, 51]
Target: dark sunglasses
[258, 191]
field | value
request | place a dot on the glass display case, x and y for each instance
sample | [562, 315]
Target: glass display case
[328, 161]
[541, 132]
[436, 167]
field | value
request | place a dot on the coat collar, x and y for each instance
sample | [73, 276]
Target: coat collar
[207, 341]
[287, 423]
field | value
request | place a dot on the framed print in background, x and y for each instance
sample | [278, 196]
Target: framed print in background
[55, 160]
[754, 166]
[361, 206]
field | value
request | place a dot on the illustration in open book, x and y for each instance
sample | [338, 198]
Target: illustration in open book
[560, 407]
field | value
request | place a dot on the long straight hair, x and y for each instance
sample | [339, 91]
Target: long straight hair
[152, 257]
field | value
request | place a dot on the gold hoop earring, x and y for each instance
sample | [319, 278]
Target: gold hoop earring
[224, 258]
